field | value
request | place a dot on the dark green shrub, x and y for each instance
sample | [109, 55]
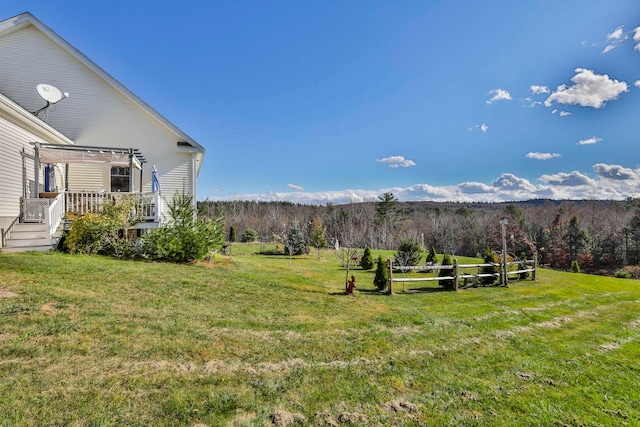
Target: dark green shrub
[575, 267]
[381, 277]
[366, 262]
[623, 274]
[249, 236]
[232, 234]
[446, 283]
[432, 257]
[489, 258]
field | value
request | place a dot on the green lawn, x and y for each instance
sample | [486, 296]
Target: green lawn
[250, 341]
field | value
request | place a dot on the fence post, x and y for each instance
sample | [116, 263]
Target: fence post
[389, 277]
[455, 274]
[535, 267]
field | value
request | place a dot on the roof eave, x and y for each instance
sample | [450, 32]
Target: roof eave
[17, 115]
[13, 24]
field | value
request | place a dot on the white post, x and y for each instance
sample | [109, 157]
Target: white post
[503, 224]
[36, 165]
[131, 176]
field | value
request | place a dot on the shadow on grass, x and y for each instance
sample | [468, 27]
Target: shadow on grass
[429, 289]
[425, 290]
[361, 291]
[372, 291]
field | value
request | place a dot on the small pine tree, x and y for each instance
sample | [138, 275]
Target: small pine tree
[408, 254]
[184, 237]
[232, 234]
[295, 242]
[523, 266]
[575, 267]
[249, 236]
[380, 280]
[431, 257]
[317, 239]
[366, 262]
[489, 258]
[446, 283]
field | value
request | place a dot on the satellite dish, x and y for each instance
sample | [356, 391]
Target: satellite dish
[52, 95]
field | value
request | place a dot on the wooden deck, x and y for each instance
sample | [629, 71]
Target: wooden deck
[148, 206]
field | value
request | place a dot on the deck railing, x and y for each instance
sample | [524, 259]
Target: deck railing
[148, 207]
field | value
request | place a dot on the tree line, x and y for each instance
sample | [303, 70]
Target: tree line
[593, 233]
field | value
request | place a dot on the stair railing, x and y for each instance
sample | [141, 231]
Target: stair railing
[6, 233]
[53, 216]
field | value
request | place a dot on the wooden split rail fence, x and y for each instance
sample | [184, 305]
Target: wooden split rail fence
[458, 274]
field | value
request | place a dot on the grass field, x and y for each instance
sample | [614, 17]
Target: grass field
[250, 341]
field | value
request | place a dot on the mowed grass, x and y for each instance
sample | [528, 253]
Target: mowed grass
[251, 341]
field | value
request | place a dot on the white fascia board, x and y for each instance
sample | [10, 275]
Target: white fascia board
[198, 154]
[188, 150]
[17, 22]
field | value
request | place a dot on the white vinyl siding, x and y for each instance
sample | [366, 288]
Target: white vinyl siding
[12, 140]
[95, 114]
[88, 177]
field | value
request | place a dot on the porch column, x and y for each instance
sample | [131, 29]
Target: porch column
[24, 174]
[194, 178]
[131, 170]
[36, 171]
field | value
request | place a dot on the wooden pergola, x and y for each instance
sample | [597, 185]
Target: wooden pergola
[57, 154]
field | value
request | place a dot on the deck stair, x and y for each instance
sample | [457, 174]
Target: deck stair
[28, 237]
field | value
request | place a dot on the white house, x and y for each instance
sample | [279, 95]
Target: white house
[100, 141]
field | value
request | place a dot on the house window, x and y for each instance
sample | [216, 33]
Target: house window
[120, 177]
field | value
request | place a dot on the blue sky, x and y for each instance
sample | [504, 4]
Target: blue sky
[334, 101]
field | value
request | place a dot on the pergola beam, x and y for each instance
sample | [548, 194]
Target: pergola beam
[45, 153]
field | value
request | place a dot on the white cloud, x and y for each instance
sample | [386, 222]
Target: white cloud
[535, 89]
[483, 127]
[614, 39]
[572, 179]
[542, 156]
[499, 95]
[476, 188]
[617, 34]
[561, 113]
[509, 181]
[589, 141]
[612, 182]
[588, 90]
[422, 192]
[636, 38]
[295, 187]
[397, 162]
[636, 83]
[615, 172]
